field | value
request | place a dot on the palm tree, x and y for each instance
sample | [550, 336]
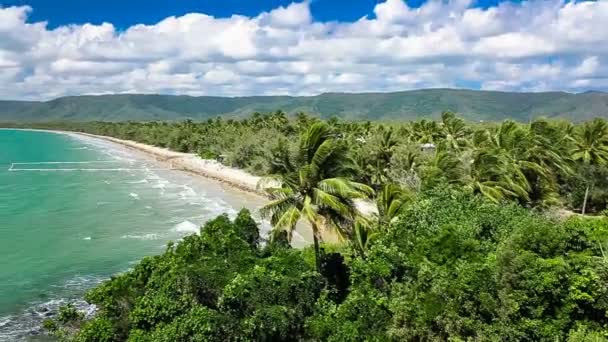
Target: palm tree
[490, 175]
[405, 167]
[390, 202]
[591, 147]
[454, 131]
[591, 143]
[316, 188]
[425, 131]
[443, 166]
[548, 146]
[504, 165]
[375, 157]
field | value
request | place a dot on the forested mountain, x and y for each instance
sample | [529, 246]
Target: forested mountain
[428, 103]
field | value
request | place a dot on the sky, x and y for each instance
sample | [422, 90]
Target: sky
[56, 48]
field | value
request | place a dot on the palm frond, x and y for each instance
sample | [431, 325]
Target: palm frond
[275, 209]
[287, 221]
[309, 211]
[324, 199]
[320, 156]
[345, 188]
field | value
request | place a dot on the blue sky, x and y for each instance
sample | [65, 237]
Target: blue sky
[275, 47]
[124, 13]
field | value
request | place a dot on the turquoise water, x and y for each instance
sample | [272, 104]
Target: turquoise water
[62, 232]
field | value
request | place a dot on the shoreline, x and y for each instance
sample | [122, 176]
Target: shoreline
[180, 161]
[192, 164]
[210, 169]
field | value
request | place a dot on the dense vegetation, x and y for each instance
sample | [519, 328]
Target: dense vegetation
[407, 105]
[453, 251]
[541, 164]
[452, 267]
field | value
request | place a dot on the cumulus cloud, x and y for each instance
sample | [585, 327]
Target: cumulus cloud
[534, 45]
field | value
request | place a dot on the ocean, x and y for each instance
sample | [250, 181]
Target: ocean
[75, 210]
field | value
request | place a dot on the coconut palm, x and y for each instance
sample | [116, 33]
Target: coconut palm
[491, 175]
[502, 165]
[391, 201]
[406, 166]
[364, 233]
[591, 143]
[375, 156]
[425, 131]
[316, 189]
[591, 147]
[443, 166]
[454, 132]
[548, 146]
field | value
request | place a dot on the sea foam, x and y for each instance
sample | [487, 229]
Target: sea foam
[149, 236]
[186, 227]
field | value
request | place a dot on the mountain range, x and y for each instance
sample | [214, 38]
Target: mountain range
[473, 105]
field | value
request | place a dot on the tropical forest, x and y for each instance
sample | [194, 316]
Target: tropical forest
[444, 230]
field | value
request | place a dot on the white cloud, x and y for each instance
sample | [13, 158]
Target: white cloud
[294, 15]
[533, 45]
[587, 67]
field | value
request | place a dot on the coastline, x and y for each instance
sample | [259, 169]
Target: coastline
[210, 169]
[192, 164]
[66, 232]
[180, 161]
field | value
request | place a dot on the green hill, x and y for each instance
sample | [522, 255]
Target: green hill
[428, 103]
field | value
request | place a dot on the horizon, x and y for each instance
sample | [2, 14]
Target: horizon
[280, 47]
[314, 95]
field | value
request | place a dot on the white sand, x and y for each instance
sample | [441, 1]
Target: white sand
[233, 177]
[192, 163]
[237, 178]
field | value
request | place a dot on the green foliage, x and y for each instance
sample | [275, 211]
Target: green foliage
[247, 228]
[68, 313]
[316, 188]
[218, 286]
[66, 323]
[461, 268]
[99, 329]
[452, 266]
[363, 315]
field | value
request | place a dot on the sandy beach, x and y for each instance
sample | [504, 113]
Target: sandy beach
[209, 169]
[191, 163]
[212, 169]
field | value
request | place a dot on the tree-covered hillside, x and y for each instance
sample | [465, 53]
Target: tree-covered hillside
[429, 103]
